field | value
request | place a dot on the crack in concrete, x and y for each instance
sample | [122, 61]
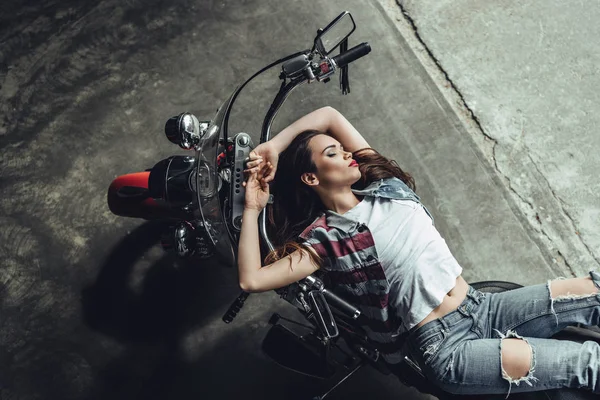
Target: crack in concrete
[443, 71]
[474, 118]
[566, 213]
[540, 230]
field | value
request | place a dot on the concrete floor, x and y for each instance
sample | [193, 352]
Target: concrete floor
[90, 307]
[523, 77]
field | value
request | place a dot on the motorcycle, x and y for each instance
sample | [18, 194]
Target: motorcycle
[203, 197]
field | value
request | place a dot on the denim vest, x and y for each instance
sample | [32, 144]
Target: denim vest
[361, 281]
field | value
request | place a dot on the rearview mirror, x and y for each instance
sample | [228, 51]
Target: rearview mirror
[333, 34]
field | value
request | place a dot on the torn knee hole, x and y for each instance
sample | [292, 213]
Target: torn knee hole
[516, 359]
[570, 289]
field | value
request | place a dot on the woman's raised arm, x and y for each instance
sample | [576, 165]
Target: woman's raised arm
[253, 277]
[326, 119]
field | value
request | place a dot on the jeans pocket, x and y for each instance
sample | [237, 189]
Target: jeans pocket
[430, 344]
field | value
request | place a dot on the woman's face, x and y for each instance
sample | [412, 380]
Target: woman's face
[335, 167]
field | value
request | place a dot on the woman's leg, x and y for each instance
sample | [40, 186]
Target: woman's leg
[495, 342]
[480, 366]
[541, 310]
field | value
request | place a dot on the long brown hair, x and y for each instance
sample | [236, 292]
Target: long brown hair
[296, 205]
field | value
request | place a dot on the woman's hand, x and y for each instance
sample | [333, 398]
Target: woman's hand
[264, 152]
[257, 188]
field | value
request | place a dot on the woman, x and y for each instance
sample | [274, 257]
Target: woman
[362, 226]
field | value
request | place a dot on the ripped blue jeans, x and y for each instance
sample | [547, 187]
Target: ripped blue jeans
[461, 352]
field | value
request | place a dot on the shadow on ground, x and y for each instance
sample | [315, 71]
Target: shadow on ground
[155, 325]
[174, 295]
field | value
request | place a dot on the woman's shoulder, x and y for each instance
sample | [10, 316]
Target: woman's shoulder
[384, 184]
[318, 222]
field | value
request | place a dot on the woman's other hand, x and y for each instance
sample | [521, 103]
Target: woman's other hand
[264, 152]
[257, 187]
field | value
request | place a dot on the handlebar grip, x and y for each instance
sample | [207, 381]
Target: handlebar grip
[235, 307]
[358, 51]
[341, 304]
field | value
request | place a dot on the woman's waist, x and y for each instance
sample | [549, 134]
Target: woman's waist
[451, 301]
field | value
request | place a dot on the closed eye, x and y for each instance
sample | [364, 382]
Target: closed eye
[333, 154]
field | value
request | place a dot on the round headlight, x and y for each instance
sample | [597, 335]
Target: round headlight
[184, 130]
